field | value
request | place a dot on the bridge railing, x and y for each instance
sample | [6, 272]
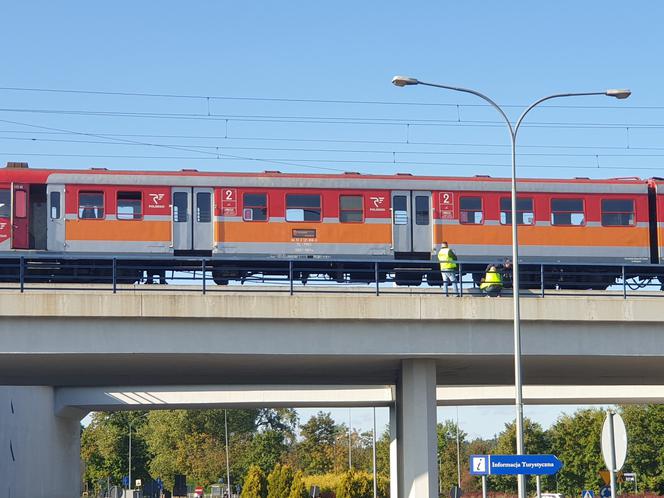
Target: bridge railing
[325, 276]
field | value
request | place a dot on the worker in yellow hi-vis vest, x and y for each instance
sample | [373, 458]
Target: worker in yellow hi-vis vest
[448, 267]
[492, 283]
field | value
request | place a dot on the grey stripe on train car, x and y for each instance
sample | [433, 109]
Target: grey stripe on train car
[313, 248]
[110, 247]
[614, 252]
[345, 183]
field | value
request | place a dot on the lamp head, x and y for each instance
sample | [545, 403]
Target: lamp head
[619, 94]
[404, 81]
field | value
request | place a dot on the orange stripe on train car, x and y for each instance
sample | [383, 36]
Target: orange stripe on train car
[543, 236]
[339, 233]
[130, 231]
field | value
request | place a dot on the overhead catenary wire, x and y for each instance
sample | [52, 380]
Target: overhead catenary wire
[302, 100]
[295, 161]
[341, 151]
[345, 120]
[215, 154]
[349, 141]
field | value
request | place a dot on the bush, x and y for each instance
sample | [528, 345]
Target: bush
[355, 485]
[298, 488]
[327, 483]
[254, 483]
[279, 481]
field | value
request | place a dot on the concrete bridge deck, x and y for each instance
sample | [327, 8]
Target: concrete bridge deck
[71, 338]
[70, 341]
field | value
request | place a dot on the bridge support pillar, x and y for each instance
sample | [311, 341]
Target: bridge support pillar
[40, 453]
[416, 430]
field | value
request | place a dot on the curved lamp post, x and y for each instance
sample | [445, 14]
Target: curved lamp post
[513, 130]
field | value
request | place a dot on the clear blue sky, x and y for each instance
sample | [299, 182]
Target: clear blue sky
[341, 55]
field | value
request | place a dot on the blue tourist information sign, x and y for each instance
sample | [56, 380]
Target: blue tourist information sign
[514, 464]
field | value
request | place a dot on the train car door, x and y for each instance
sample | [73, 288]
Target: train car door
[181, 211]
[55, 198]
[20, 216]
[401, 233]
[192, 219]
[421, 222]
[202, 222]
[411, 221]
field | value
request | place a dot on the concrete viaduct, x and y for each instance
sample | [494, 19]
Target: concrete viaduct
[65, 353]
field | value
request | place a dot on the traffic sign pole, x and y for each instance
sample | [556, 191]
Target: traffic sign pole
[484, 486]
[612, 450]
[538, 480]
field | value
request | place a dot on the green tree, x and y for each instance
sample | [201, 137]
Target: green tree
[105, 447]
[355, 484]
[383, 453]
[266, 449]
[317, 447]
[575, 440]
[279, 481]
[535, 441]
[254, 484]
[298, 488]
[645, 435]
[447, 453]
[471, 483]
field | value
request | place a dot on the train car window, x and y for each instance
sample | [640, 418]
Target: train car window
[5, 203]
[351, 209]
[254, 207]
[303, 207]
[130, 205]
[91, 205]
[422, 210]
[524, 211]
[203, 207]
[399, 210]
[180, 207]
[21, 203]
[567, 212]
[55, 205]
[618, 212]
[470, 211]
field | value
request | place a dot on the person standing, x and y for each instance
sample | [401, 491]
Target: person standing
[448, 267]
[492, 283]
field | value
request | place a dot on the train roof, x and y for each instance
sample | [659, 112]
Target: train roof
[21, 172]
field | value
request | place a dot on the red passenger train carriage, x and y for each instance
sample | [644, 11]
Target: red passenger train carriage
[242, 221]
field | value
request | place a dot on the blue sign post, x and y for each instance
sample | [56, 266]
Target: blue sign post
[537, 465]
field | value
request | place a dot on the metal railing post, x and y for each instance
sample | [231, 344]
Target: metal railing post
[203, 270]
[290, 276]
[21, 273]
[115, 275]
[542, 279]
[376, 277]
[460, 279]
[624, 283]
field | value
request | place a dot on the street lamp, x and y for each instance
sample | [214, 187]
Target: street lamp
[513, 130]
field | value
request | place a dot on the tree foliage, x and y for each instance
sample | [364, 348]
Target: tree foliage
[105, 447]
[447, 453]
[645, 434]
[535, 441]
[354, 484]
[254, 484]
[262, 442]
[316, 450]
[279, 481]
[575, 440]
[298, 488]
